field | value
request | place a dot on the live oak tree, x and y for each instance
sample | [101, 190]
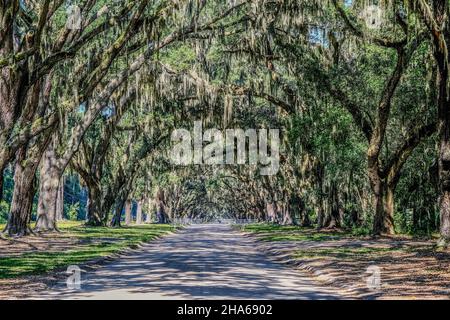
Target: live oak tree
[158, 16]
[359, 111]
[34, 40]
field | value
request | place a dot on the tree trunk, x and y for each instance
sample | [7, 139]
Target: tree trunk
[319, 172]
[305, 221]
[86, 216]
[444, 177]
[115, 222]
[383, 223]
[94, 208]
[444, 126]
[22, 201]
[48, 192]
[148, 218]
[139, 212]
[60, 201]
[287, 219]
[334, 220]
[2, 172]
[128, 217]
[270, 208]
[161, 214]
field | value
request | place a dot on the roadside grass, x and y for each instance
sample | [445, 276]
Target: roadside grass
[92, 243]
[273, 232]
[63, 225]
[344, 253]
[410, 265]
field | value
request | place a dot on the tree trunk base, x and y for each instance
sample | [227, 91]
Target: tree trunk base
[95, 224]
[15, 232]
[45, 225]
[443, 244]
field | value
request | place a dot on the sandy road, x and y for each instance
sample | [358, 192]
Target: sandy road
[200, 262]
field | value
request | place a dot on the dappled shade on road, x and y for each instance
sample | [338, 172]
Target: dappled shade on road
[200, 262]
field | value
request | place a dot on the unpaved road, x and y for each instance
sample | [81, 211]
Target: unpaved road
[200, 262]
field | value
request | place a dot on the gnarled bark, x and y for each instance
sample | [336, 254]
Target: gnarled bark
[94, 208]
[48, 193]
[22, 201]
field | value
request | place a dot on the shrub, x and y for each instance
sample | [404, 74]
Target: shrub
[4, 210]
[72, 212]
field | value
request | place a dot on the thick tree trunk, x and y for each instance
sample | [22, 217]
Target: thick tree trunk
[139, 212]
[115, 222]
[334, 220]
[60, 201]
[383, 223]
[389, 208]
[320, 201]
[2, 172]
[161, 213]
[444, 177]
[11, 81]
[22, 201]
[445, 218]
[441, 56]
[304, 220]
[48, 192]
[94, 208]
[128, 217]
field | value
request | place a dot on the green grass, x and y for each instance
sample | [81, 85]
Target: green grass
[272, 232]
[63, 225]
[97, 242]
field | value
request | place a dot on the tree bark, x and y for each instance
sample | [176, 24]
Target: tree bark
[48, 192]
[319, 172]
[334, 218]
[128, 217]
[444, 179]
[161, 214]
[383, 223]
[27, 162]
[2, 172]
[440, 38]
[286, 217]
[270, 212]
[94, 208]
[115, 222]
[22, 201]
[437, 22]
[148, 218]
[60, 201]
[139, 212]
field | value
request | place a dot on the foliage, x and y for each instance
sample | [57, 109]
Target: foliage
[4, 210]
[73, 212]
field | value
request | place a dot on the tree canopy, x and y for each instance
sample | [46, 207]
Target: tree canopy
[92, 90]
